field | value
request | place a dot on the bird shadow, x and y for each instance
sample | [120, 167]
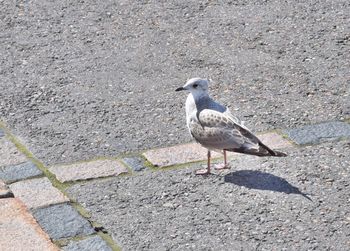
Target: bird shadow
[262, 181]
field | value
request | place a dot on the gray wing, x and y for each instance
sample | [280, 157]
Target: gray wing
[216, 130]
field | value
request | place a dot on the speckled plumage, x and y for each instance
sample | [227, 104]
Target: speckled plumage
[214, 127]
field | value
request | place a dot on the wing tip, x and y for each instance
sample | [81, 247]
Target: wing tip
[279, 154]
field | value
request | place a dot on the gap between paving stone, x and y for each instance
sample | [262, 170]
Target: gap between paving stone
[10, 154]
[5, 191]
[66, 241]
[94, 242]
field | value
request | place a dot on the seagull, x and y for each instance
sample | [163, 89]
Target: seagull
[215, 128]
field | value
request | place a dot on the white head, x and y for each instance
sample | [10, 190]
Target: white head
[197, 86]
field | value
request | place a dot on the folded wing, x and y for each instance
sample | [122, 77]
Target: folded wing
[216, 130]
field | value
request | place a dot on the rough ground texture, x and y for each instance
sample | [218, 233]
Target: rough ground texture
[84, 78]
[295, 203]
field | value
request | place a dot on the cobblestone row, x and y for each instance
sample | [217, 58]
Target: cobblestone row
[47, 211]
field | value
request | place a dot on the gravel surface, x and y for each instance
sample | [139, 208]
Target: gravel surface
[300, 202]
[88, 78]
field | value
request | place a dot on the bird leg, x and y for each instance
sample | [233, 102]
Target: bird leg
[207, 170]
[222, 165]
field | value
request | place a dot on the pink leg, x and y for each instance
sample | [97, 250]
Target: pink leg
[224, 165]
[207, 170]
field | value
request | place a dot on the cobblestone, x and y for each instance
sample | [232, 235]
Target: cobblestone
[135, 163]
[9, 154]
[274, 140]
[62, 221]
[19, 230]
[37, 193]
[313, 134]
[179, 154]
[19, 172]
[88, 170]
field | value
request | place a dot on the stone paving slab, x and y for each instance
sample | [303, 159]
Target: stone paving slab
[62, 221]
[88, 244]
[19, 230]
[192, 152]
[176, 155]
[135, 163]
[300, 201]
[9, 154]
[37, 193]
[313, 134]
[274, 140]
[5, 192]
[19, 172]
[88, 170]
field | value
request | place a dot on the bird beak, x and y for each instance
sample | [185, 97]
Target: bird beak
[180, 89]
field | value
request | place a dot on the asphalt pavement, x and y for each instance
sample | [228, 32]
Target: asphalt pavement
[97, 78]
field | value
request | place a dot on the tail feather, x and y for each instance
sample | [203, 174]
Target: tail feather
[272, 152]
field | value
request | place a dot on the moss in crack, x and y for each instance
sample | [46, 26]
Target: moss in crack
[64, 242]
[148, 164]
[285, 137]
[107, 238]
[81, 210]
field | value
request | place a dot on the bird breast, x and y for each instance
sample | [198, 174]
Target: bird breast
[191, 109]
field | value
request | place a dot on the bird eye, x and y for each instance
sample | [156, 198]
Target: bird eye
[195, 85]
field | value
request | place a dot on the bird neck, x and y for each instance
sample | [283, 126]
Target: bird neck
[199, 95]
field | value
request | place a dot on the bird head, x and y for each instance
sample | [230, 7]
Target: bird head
[196, 86]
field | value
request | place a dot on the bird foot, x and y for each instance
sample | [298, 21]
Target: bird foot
[221, 166]
[202, 172]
